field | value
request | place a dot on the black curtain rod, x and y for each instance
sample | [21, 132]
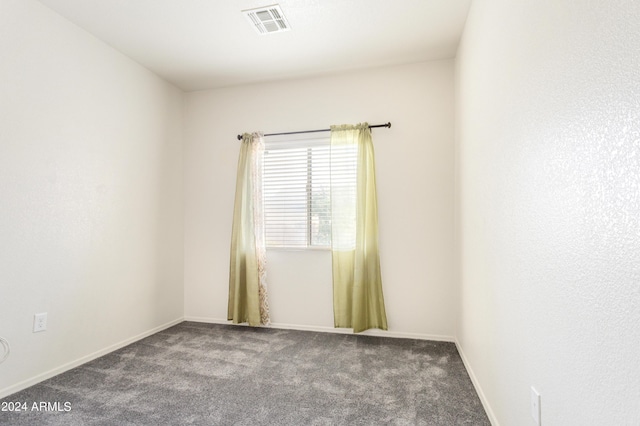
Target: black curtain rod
[316, 131]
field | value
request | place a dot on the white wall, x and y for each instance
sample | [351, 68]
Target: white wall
[415, 192]
[548, 126]
[91, 190]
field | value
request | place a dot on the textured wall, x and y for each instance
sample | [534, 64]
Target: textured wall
[414, 166]
[548, 133]
[90, 190]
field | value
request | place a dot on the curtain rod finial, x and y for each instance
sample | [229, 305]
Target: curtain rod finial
[239, 137]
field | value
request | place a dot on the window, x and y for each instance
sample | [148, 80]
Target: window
[297, 190]
[296, 193]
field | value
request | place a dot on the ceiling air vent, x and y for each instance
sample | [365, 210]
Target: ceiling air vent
[267, 19]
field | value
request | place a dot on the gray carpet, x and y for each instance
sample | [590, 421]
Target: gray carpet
[207, 374]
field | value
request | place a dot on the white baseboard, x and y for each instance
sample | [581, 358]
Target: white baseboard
[68, 366]
[476, 385]
[326, 329]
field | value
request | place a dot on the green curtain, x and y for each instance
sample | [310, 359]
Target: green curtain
[357, 284]
[247, 284]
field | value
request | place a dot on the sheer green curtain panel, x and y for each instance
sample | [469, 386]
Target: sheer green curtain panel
[358, 301]
[247, 276]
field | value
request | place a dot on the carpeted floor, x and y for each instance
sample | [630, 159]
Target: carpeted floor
[208, 374]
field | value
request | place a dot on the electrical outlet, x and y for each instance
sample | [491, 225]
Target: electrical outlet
[535, 405]
[39, 322]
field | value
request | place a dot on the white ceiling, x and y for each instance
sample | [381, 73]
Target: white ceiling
[202, 44]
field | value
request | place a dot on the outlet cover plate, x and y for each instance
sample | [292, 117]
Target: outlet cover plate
[39, 322]
[535, 405]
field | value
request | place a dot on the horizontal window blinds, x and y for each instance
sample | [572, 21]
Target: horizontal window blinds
[297, 190]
